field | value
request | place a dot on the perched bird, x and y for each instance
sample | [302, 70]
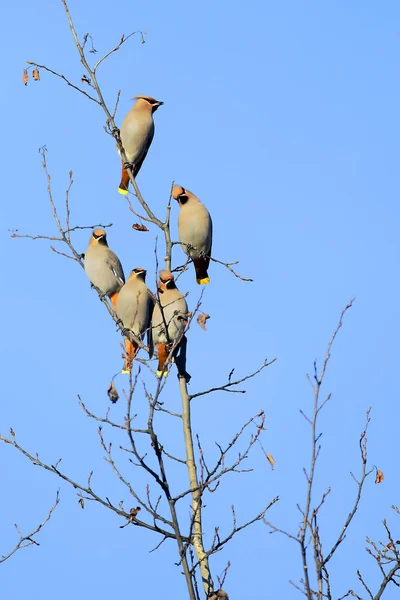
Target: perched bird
[134, 308]
[137, 131]
[195, 231]
[103, 267]
[169, 320]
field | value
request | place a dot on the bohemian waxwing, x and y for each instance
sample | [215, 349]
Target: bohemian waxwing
[169, 320]
[134, 308]
[103, 267]
[195, 231]
[137, 131]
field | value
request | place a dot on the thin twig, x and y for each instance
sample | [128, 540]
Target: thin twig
[67, 81]
[229, 267]
[123, 39]
[28, 540]
[225, 387]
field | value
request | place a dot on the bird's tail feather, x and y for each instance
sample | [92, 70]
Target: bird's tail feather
[131, 349]
[162, 350]
[200, 265]
[123, 186]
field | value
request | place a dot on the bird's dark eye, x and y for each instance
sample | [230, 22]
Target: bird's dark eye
[183, 198]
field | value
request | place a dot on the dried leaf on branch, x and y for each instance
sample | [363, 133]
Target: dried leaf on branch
[379, 476]
[271, 460]
[139, 227]
[112, 393]
[202, 319]
[134, 511]
[35, 75]
[25, 77]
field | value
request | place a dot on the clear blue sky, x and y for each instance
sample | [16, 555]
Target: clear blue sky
[283, 118]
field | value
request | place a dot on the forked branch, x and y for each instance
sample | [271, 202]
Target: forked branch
[29, 539]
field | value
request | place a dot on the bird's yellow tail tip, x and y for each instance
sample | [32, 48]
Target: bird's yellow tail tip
[203, 281]
[125, 371]
[159, 373]
[123, 192]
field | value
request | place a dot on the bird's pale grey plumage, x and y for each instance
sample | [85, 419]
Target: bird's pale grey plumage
[195, 231]
[170, 314]
[194, 226]
[102, 265]
[137, 132]
[135, 304]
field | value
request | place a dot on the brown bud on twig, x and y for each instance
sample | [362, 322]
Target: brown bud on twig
[25, 77]
[134, 511]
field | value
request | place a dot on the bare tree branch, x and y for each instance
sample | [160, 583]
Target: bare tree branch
[225, 388]
[90, 494]
[123, 39]
[28, 540]
[310, 527]
[67, 81]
